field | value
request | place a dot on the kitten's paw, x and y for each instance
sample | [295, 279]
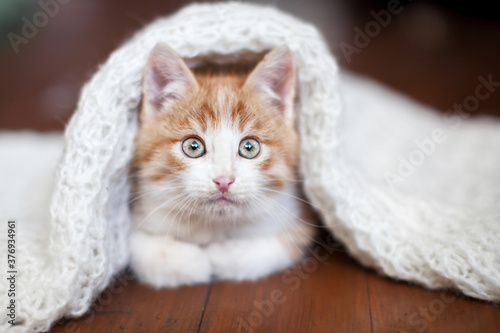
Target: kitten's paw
[161, 261]
[248, 259]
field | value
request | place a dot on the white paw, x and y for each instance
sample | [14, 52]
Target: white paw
[247, 259]
[161, 261]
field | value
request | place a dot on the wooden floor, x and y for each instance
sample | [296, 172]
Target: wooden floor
[431, 53]
[327, 292]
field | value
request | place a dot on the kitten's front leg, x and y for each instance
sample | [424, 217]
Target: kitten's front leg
[162, 261]
[252, 258]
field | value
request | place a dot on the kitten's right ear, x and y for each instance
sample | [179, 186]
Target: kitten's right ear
[166, 77]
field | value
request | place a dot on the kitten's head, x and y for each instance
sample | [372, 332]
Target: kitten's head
[219, 143]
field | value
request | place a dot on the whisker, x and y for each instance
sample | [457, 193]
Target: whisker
[292, 180]
[294, 197]
[289, 238]
[190, 215]
[306, 202]
[182, 210]
[144, 193]
[278, 205]
[158, 207]
[288, 211]
[183, 200]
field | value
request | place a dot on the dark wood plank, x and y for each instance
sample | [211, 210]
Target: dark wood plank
[128, 306]
[401, 307]
[324, 293]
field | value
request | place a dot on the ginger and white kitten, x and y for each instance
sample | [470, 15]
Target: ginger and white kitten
[216, 156]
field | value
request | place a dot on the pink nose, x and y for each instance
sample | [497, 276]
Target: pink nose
[223, 183]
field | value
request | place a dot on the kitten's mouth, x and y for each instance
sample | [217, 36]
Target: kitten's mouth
[222, 200]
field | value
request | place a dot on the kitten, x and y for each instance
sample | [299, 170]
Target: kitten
[216, 156]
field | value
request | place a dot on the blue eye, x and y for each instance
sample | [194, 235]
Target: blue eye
[193, 147]
[249, 148]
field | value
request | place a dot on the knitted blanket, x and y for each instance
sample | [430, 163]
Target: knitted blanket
[411, 193]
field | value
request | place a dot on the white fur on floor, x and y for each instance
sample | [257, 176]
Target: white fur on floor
[438, 227]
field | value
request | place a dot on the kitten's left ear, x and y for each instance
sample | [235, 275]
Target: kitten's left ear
[274, 80]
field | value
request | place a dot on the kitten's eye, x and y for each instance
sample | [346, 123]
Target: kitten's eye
[249, 148]
[193, 147]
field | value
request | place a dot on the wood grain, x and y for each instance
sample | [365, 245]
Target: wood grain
[401, 307]
[128, 306]
[327, 292]
[303, 299]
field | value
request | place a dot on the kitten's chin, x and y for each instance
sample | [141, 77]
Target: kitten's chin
[221, 203]
[222, 200]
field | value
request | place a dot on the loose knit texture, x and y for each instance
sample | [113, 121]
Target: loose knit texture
[437, 225]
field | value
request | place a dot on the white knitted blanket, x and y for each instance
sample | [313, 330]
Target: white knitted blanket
[438, 224]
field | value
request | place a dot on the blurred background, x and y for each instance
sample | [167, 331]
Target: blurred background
[431, 51]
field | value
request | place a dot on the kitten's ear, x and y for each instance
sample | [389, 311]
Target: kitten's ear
[274, 80]
[166, 77]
